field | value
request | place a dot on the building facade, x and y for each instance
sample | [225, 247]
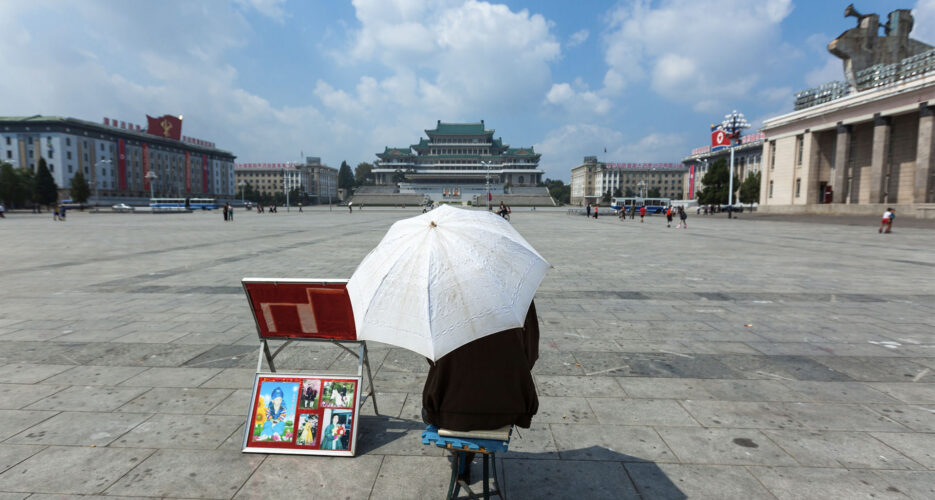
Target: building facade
[593, 179]
[865, 144]
[316, 180]
[458, 156]
[748, 159]
[116, 158]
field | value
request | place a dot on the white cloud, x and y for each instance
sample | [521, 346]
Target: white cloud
[577, 102]
[578, 37]
[706, 68]
[272, 9]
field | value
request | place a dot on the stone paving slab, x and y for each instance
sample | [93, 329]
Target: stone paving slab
[743, 359]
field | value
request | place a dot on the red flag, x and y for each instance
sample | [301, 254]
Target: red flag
[489, 196]
[165, 126]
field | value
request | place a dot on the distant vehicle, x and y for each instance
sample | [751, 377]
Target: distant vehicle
[202, 203]
[653, 205]
[71, 205]
[168, 205]
[122, 207]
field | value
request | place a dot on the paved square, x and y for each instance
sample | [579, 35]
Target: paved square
[746, 358]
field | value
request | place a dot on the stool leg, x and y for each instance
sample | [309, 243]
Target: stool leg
[486, 476]
[496, 481]
[455, 463]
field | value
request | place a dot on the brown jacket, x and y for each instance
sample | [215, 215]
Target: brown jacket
[485, 384]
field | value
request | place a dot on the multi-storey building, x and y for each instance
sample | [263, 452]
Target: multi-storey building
[748, 159]
[456, 161]
[116, 158]
[318, 181]
[593, 179]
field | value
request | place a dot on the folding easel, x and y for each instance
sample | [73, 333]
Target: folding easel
[306, 310]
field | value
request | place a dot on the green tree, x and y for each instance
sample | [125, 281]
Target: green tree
[45, 191]
[654, 193]
[399, 176]
[629, 193]
[716, 182]
[750, 189]
[79, 190]
[363, 174]
[606, 197]
[617, 192]
[559, 191]
[10, 191]
[346, 178]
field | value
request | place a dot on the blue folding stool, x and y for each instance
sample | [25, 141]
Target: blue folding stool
[459, 446]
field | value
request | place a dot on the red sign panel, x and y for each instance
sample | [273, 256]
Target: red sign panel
[691, 182]
[204, 173]
[122, 163]
[301, 309]
[719, 139]
[145, 165]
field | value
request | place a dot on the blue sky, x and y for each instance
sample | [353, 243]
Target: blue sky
[270, 79]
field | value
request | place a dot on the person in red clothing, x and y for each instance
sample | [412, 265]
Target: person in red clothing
[642, 213]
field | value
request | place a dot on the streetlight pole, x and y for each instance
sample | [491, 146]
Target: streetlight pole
[97, 182]
[152, 177]
[487, 165]
[242, 183]
[733, 124]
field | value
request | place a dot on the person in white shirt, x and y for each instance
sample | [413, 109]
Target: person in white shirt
[887, 224]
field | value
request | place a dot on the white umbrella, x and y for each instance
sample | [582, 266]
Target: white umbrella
[442, 279]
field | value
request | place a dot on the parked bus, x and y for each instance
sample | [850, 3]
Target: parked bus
[202, 203]
[168, 205]
[653, 205]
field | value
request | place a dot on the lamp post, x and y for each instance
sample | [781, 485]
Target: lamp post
[242, 183]
[733, 124]
[642, 186]
[152, 177]
[486, 164]
[97, 182]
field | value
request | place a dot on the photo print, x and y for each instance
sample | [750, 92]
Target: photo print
[274, 418]
[338, 394]
[336, 434]
[307, 430]
[309, 395]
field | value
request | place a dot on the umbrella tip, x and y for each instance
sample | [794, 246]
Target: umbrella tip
[432, 224]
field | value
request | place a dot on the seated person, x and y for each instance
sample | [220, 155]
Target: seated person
[485, 384]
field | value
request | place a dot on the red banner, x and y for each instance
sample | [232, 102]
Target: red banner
[145, 165]
[165, 126]
[691, 182]
[188, 172]
[121, 163]
[204, 173]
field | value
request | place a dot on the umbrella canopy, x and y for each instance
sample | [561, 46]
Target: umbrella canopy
[443, 279]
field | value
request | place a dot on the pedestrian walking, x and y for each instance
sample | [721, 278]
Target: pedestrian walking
[683, 216]
[623, 213]
[886, 225]
[61, 213]
[55, 213]
[669, 216]
[225, 212]
[633, 212]
[300, 207]
[350, 209]
[587, 210]
[230, 212]
[2, 211]
[642, 213]
[595, 211]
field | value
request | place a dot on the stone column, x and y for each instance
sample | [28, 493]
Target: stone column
[765, 172]
[879, 157]
[841, 150]
[923, 174]
[811, 168]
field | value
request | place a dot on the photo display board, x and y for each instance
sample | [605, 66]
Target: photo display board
[298, 309]
[303, 415]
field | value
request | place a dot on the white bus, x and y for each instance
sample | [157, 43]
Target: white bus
[653, 205]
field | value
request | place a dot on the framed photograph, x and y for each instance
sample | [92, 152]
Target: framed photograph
[303, 414]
